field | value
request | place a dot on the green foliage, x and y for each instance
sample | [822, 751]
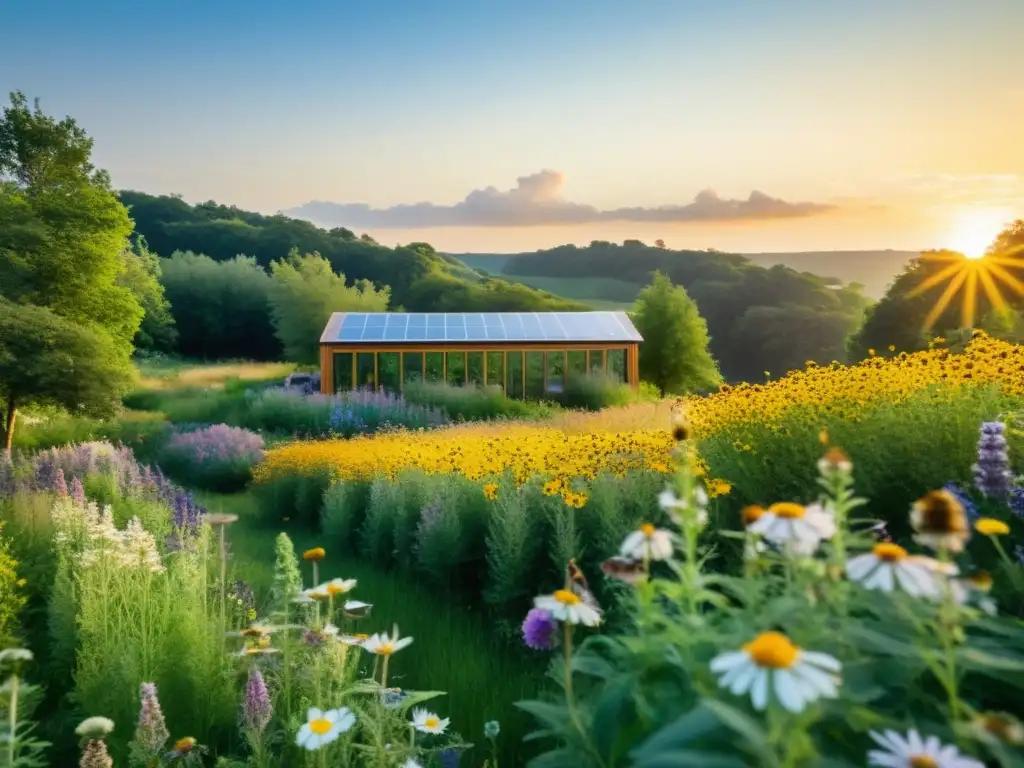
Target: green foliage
[62, 233]
[12, 597]
[48, 360]
[419, 279]
[671, 685]
[473, 402]
[304, 292]
[221, 308]
[900, 451]
[596, 391]
[141, 276]
[674, 355]
[287, 576]
[726, 287]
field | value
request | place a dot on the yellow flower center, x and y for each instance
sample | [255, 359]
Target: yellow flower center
[184, 745]
[386, 650]
[647, 530]
[787, 510]
[320, 595]
[566, 597]
[431, 722]
[336, 589]
[751, 513]
[988, 526]
[923, 761]
[889, 552]
[314, 554]
[981, 581]
[361, 637]
[773, 650]
[320, 726]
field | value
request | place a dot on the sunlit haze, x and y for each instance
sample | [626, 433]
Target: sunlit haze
[734, 124]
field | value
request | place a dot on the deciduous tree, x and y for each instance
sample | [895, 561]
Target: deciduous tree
[674, 355]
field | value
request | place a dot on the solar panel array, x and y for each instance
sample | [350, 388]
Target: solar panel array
[386, 327]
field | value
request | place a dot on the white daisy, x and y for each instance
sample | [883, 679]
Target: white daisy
[772, 662]
[336, 587]
[794, 527]
[912, 751]
[889, 565]
[427, 722]
[315, 593]
[322, 728]
[353, 639]
[410, 763]
[973, 590]
[384, 645]
[648, 542]
[565, 605]
[678, 508]
[356, 609]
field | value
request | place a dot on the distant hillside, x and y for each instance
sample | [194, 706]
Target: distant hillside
[420, 278]
[875, 270]
[760, 318]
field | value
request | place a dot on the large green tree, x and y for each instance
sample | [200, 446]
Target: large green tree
[62, 235]
[304, 293]
[674, 355]
[141, 276]
[221, 309]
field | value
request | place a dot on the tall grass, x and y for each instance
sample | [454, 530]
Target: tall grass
[454, 650]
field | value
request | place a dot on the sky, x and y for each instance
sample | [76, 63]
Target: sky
[745, 125]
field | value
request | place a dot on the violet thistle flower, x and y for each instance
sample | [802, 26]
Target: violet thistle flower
[539, 630]
[60, 485]
[992, 475]
[257, 710]
[77, 491]
[151, 733]
[95, 755]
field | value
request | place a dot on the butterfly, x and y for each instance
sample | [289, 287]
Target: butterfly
[575, 577]
[625, 569]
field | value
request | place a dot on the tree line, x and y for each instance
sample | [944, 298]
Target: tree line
[760, 320]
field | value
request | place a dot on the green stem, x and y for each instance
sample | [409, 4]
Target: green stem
[947, 627]
[384, 672]
[12, 745]
[568, 660]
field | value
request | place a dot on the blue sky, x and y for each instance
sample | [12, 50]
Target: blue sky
[270, 105]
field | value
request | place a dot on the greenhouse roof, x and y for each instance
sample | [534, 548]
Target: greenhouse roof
[454, 327]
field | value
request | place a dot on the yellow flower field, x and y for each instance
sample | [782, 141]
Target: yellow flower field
[578, 446]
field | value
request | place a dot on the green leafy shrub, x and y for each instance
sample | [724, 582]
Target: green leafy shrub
[473, 402]
[594, 392]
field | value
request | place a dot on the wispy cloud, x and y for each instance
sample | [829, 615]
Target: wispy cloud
[537, 200]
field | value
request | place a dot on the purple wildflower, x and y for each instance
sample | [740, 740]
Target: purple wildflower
[1017, 501]
[992, 476]
[60, 485]
[257, 710]
[77, 491]
[450, 757]
[151, 733]
[539, 630]
[970, 508]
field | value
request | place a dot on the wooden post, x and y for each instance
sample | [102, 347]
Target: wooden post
[401, 370]
[484, 382]
[504, 372]
[376, 376]
[326, 370]
[355, 369]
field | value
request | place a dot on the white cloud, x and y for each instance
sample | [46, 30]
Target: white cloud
[537, 200]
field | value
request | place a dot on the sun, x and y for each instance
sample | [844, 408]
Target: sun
[974, 230]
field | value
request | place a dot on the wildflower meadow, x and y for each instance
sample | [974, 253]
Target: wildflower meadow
[825, 570]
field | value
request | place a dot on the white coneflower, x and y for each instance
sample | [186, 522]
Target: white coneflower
[795, 528]
[772, 663]
[889, 565]
[647, 542]
[680, 509]
[565, 605]
[999, 725]
[835, 461]
[382, 644]
[912, 751]
[427, 722]
[322, 728]
[940, 521]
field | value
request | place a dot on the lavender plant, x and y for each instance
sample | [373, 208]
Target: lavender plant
[218, 458]
[992, 474]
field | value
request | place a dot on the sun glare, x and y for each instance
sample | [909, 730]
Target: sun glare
[974, 230]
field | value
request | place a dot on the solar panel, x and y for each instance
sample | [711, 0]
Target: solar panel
[438, 327]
